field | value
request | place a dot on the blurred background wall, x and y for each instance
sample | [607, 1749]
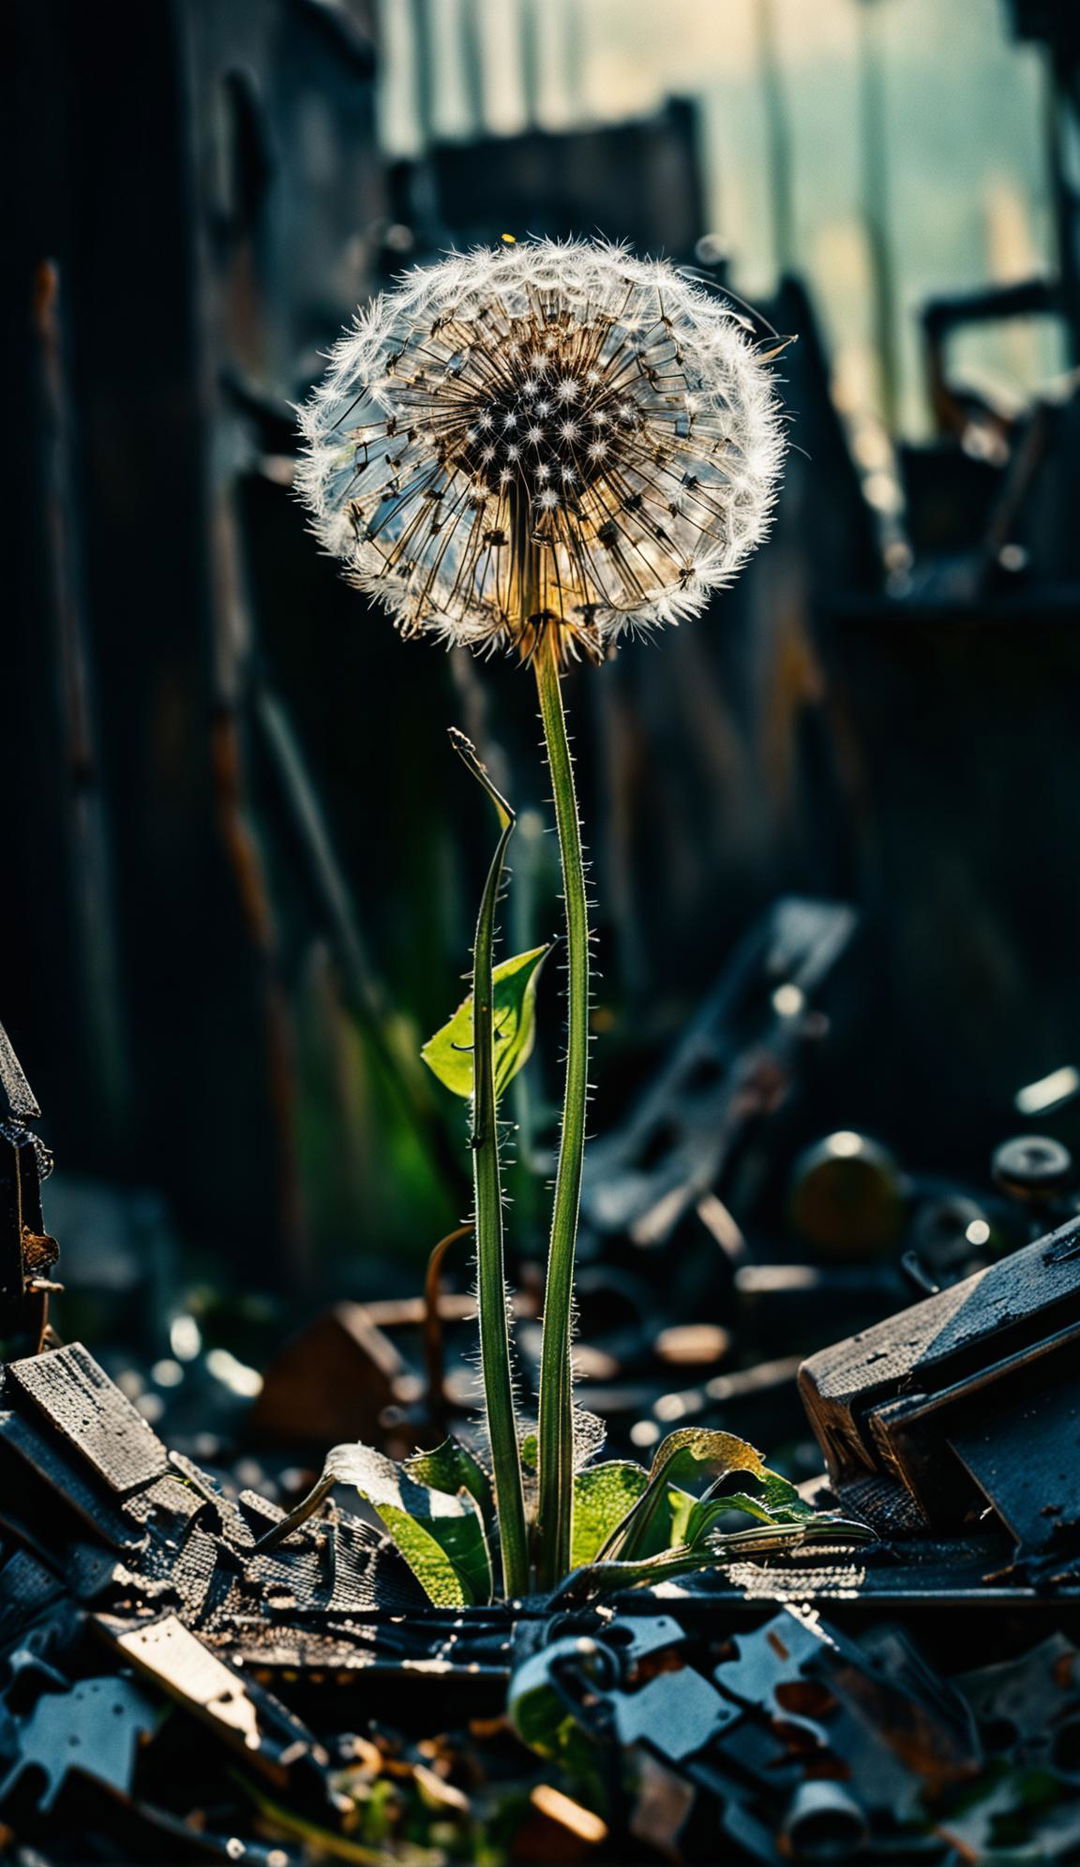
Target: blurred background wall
[240, 866]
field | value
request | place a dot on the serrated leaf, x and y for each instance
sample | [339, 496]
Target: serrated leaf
[452, 1468]
[589, 1436]
[449, 1054]
[441, 1537]
[602, 1496]
[682, 1454]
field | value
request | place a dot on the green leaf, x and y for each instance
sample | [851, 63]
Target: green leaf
[452, 1468]
[777, 1502]
[715, 1551]
[681, 1455]
[441, 1537]
[602, 1496]
[450, 1052]
[589, 1436]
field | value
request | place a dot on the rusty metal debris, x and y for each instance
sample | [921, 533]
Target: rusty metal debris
[180, 1678]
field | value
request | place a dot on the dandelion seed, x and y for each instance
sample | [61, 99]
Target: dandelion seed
[673, 448]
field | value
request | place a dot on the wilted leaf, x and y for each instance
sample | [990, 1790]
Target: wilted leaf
[679, 1456]
[441, 1537]
[602, 1496]
[450, 1052]
[452, 1468]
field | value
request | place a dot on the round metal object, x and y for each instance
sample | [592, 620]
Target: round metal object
[824, 1823]
[1032, 1167]
[847, 1197]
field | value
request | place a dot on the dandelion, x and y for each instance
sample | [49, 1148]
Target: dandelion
[489, 344]
[541, 447]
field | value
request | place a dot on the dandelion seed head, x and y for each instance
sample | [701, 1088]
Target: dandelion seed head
[414, 463]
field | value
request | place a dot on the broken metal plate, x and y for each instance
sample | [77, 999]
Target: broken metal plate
[94, 1420]
[94, 1728]
[1023, 1456]
[166, 1652]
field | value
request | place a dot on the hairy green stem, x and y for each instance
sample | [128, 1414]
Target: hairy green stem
[556, 1428]
[488, 1214]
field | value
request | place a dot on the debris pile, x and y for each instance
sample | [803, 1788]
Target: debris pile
[179, 1682]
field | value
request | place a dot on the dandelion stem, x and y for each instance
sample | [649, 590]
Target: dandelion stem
[488, 1214]
[556, 1427]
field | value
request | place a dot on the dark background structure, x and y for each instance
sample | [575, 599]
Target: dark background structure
[239, 863]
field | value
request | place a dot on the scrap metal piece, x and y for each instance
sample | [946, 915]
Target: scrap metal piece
[775, 1657]
[1022, 1455]
[95, 1728]
[17, 1100]
[733, 1064]
[677, 1715]
[847, 1198]
[92, 1418]
[892, 1724]
[60, 1483]
[581, 1659]
[1028, 1708]
[824, 1822]
[918, 1398]
[330, 1383]
[27, 1253]
[246, 1716]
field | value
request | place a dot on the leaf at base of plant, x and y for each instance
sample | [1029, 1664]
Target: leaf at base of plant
[441, 1537]
[452, 1468]
[692, 1449]
[602, 1496]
